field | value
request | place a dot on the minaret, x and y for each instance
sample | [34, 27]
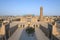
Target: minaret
[41, 13]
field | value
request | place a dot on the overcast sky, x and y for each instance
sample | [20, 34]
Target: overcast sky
[24, 7]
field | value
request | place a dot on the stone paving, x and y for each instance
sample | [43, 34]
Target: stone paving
[40, 35]
[21, 34]
[16, 35]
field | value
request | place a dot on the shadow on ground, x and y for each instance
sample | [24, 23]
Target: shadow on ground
[25, 36]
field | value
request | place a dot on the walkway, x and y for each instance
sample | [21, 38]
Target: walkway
[40, 35]
[16, 35]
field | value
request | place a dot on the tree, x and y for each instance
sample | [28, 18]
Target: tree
[30, 30]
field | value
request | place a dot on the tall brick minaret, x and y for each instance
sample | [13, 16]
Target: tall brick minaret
[41, 13]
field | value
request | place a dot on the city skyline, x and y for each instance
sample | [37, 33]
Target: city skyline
[23, 7]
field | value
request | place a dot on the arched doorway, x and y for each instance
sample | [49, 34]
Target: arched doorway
[35, 25]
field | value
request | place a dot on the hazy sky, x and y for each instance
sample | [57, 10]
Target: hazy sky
[23, 7]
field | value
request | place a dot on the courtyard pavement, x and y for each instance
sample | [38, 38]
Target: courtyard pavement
[20, 34]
